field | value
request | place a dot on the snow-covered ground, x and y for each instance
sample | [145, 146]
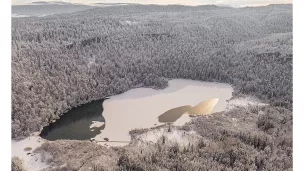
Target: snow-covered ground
[31, 161]
[172, 137]
[243, 102]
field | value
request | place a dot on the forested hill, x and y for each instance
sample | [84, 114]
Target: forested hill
[45, 8]
[61, 61]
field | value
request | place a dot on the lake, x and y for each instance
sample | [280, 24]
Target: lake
[109, 121]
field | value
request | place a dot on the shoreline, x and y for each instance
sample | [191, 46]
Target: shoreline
[31, 161]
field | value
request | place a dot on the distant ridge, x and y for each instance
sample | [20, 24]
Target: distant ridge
[43, 8]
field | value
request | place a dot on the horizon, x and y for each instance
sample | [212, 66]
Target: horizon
[233, 3]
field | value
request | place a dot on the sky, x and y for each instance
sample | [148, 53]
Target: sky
[236, 3]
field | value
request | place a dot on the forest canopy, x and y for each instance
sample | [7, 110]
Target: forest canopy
[62, 61]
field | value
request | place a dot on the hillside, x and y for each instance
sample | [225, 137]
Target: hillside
[61, 63]
[65, 60]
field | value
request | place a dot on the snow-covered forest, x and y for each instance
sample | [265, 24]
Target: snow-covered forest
[65, 60]
[62, 61]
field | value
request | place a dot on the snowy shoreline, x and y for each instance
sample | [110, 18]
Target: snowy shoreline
[31, 161]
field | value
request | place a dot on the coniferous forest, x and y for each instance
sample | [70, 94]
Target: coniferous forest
[66, 60]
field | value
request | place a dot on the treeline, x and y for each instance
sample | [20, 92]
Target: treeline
[62, 61]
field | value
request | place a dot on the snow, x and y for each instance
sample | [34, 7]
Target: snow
[243, 102]
[31, 162]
